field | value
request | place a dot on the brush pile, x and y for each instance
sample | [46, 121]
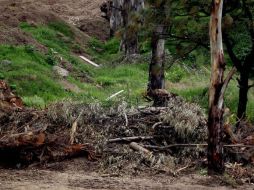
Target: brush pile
[127, 139]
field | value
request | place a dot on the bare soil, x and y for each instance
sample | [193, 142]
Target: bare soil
[79, 174]
[83, 14]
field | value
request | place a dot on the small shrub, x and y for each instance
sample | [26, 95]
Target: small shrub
[51, 57]
[29, 49]
[176, 74]
[34, 101]
[1, 76]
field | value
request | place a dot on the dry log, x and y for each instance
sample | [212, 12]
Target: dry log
[40, 146]
[137, 147]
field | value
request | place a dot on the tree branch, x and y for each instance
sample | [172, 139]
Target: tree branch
[235, 60]
[225, 85]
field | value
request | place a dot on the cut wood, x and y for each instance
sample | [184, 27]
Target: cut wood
[137, 147]
[89, 61]
[129, 139]
[114, 95]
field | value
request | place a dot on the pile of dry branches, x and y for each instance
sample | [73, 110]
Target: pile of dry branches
[128, 139]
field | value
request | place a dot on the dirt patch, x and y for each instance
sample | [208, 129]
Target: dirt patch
[84, 13]
[77, 174]
[69, 86]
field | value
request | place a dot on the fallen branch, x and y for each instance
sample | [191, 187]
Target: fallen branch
[195, 145]
[129, 139]
[114, 95]
[89, 61]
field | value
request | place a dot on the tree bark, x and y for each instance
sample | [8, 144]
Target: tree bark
[116, 20]
[243, 95]
[157, 65]
[216, 92]
[129, 43]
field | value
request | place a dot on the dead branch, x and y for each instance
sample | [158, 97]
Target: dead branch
[156, 124]
[195, 145]
[225, 84]
[129, 139]
[114, 95]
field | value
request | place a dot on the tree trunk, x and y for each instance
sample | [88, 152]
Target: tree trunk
[216, 92]
[116, 20]
[157, 65]
[243, 95]
[129, 44]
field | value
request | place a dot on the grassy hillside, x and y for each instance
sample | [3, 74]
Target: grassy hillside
[30, 71]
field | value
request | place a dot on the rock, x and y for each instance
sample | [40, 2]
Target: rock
[60, 71]
[5, 62]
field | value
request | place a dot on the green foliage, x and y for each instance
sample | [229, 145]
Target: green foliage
[1, 76]
[34, 101]
[176, 74]
[104, 51]
[51, 57]
[29, 74]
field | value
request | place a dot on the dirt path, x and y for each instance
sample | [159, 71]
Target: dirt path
[67, 180]
[79, 174]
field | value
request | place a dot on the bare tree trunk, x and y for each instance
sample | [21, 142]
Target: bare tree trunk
[244, 87]
[243, 95]
[157, 65]
[116, 20]
[216, 92]
[121, 17]
[129, 43]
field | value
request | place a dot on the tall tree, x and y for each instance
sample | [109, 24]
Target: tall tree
[130, 8]
[242, 56]
[238, 35]
[216, 92]
[123, 14]
[160, 14]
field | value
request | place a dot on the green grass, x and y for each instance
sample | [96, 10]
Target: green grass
[32, 77]
[30, 74]
[104, 52]
[193, 86]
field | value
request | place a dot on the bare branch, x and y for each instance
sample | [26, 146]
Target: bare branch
[225, 85]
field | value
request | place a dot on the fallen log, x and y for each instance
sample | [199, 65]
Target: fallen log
[137, 147]
[30, 147]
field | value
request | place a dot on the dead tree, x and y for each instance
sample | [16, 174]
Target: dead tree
[216, 92]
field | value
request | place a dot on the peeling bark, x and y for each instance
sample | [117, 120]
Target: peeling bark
[216, 102]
